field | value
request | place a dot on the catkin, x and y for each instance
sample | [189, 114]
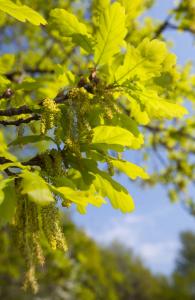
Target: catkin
[50, 115]
[51, 227]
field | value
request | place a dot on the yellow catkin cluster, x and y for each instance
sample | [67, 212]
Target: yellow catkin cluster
[34, 229]
[108, 113]
[73, 146]
[82, 109]
[28, 239]
[81, 105]
[53, 165]
[50, 115]
[110, 106]
[51, 227]
[37, 249]
[47, 164]
[30, 279]
[31, 222]
[58, 165]
[77, 126]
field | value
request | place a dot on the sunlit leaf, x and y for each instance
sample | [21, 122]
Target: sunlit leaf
[116, 136]
[7, 207]
[110, 34]
[22, 13]
[23, 140]
[35, 187]
[69, 26]
[116, 193]
[131, 170]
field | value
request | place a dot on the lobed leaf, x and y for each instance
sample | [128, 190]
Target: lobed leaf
[23, 140]
[114, 135]
[131, 170]
[35, 187]
[22, 13]
[143, 62]
[68, 25]
[117, 194]
[8, 202]
[110, 34]
[4, 149]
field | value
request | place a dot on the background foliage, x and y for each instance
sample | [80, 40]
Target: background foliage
[90, 271]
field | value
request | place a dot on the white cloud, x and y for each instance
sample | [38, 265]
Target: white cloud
[131, 230]
[159, 255]
[122, 230]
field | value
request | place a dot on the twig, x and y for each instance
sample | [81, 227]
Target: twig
[15, 111]
[162, 27]
[20, 121]
[33, 71]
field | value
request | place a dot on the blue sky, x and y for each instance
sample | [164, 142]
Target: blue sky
[152, 230]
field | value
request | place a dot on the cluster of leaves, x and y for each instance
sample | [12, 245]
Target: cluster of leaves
[111, 272]
[172, 145]
[185, 14]
[76, 104]
[89, 120]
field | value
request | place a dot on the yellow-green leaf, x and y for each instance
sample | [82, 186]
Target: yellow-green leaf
[4, 150]
[132, 8]
[110, 34]
[143, 62]
[68, 25]
[140, 116]
[117, 194]
[12, 165]
[22, 13]
[35, 187]
[157, 107]
[131, 170]
[154, 51]
[79, 197]
[114, 135]
[7, 207]
[23, 140]
[6, 63]
[3, 184]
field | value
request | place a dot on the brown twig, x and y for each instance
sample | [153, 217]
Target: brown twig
[15, 111]
[33, 71]
[60, 98]
[20, 121]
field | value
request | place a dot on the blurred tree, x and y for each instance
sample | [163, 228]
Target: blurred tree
[88, 272]
[184, 276]
[186, 259]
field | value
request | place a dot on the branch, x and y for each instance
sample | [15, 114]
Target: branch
[180, 131]
[162, 27]
[16, 111]
[4, 160]
[7, 94]
[175, 27]
[34, 71]
[154, 129]
[35, 161]
[20, 121]
[60, 98]
[167, 25]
